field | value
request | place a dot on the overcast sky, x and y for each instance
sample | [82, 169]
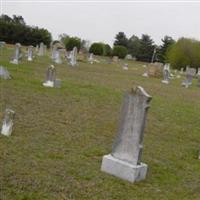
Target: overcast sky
[100, 21]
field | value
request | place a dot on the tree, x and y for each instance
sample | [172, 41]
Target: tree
[107, 50]
[97, 48]
[146, 48]
[184, 52]
[133, 45]
[120, 51]
[72, 42]
[167, 42]
[121, 39]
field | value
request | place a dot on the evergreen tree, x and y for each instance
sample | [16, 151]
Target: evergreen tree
[121, 39]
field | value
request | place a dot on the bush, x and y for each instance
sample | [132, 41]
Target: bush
[120, 51]
[72, 42]
[97, 49]
[184, 52]
[107, 50]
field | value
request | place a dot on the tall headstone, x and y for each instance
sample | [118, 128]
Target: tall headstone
[4, 74]
[91, 58]
[73, 56]
[53, 52]
[41, 49]
[190, 73]
[8, 122]
[30, 53]
[17, 55]
[166, 73]
[125, 159]
[50, 76]
[57, 59]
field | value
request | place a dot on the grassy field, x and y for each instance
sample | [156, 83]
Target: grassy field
[60, 135]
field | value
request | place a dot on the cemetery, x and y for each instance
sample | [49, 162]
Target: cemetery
[89, 120]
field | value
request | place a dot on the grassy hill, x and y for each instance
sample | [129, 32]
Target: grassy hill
[60, 135]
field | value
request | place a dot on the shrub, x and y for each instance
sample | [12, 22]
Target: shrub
[97, 49]
[107, 50]
[120, 51]
[73, 42]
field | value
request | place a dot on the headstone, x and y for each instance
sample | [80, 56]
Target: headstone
[73, 57]
[129, 57]
[166, 73]
[198, 72]
[41, 49]
[8, 122]
[155, 69]
[53, 53]
[125, 159]
[115, 59]
[30, 53]
[17, 55]
[2, 44]
[50, 76]
[190, 73]
[91, 58]
[125, 66]
[58, 59]
[182, 70]
[198, 77]
[4, 74]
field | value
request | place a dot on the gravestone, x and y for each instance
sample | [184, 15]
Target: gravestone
[198, 77]
[91, 58]
[182, 70]
[53, 53]
[125, 160]
[125, 66]
[128, 57]
[166, 73]
[190, 73]
[41, 49]
[17, 55]
[155, 70]
[8, 122]
[115, 59]
[30, 53]
[57, 59]
[50, 76]
[4, 74]
[73, 57]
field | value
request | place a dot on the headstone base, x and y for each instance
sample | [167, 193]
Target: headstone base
[14, 61]
[6, 129]
[123, 170]
[48, 84]
[165, 82]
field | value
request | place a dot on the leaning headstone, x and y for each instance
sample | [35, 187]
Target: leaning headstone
[58, 59]
[41, 49]
[30, 53]
[125, 160]
[4, 74]
[73, 56]
[190, 73]
[8, 122]
[17, 54]
[91, 58]
[166, 73]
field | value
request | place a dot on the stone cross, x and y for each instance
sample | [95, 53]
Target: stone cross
[166, 73]
[4, 74]
[91, 58]
[125, 159]
[41, 49]
[17, 54]
[73, 57]
[30, 53]
[190, 73]
[8, 122]
[50, 76]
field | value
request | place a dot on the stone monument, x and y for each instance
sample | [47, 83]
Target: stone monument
[190, 73]
[41, 49]
[91, 58]
[17, 54]
[30, 53]
[166, 73]
[125, 160]
[4, 74]
[73, 57]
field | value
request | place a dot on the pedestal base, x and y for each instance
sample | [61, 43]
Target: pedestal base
[123, 170]
[48, 84]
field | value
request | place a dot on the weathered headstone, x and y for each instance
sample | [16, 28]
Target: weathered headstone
[53, 52]
[166, 73]
[125, 159]
[128, 57]
[4, 74]
[8, 122]
[17, 55]
[115, 59]
[50, 76]
[30, 53]
[91, 58]
[41, 49]
[58, 59]
[190, 73]
[125, 66]
[73, 56]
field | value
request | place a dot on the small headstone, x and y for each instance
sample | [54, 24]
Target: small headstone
[8, 122]
[17, 55]
[4, 74]
[125, 159]
[190, 73]
[128, 57]
[125, 66]
[73, 56]
[30, 53]
[91, 58]
[41, 49]
[115, 59]
[166, 73]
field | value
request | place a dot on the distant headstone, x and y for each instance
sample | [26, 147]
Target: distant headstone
[190, 73]
[129, 57]
[115, 59]
[125, 159]
[53, 52]
[17, 55]
[30, 53]
[73, 56]
[155, 70]
[41, 49]
[8, 122]
[57, 59]
[166, 73]
[2, 44]
[4, 74]
[182, 70]
[91, 58]
[125, 66]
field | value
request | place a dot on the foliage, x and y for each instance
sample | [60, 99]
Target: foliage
[184, 52]
[133, 45]
[107, 50]
[97, 48]
[14, 30]
[72, 42]
[121, 39]
[120, 51]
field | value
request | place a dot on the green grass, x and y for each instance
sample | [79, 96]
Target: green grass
[60, 135]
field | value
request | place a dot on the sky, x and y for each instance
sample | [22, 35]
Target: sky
[100, 21]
